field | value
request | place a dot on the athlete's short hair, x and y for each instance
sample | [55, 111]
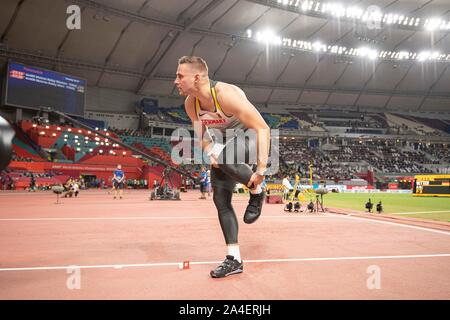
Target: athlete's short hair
[196, 62]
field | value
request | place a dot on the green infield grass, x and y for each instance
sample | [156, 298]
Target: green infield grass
[434, 208]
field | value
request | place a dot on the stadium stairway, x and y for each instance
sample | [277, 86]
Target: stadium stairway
[32, 147]
[23, 150]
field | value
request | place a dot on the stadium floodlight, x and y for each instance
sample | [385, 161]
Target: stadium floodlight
[372, 54]
[424, 55]
[388, 19]
[367, 52]
[268, 37]
[445, 25]
[307, 5]
[354, 12]
[371, 13]
[403, 55]
[435, 55]
[318, 46]
[363, 51]
[432, 24]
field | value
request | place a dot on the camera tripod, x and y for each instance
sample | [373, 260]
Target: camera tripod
[164, 191]
[319, 204]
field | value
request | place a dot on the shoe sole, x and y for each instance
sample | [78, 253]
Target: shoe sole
[253, 220]
[229, 274]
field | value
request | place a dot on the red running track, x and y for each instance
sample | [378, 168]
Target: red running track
[131, 248]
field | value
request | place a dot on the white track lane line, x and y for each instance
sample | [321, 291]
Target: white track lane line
[349, 216]
[168, 264]
[145, 218]
[418, 212]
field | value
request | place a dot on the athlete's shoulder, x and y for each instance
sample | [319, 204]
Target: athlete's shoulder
[188, 102]
[223, 88]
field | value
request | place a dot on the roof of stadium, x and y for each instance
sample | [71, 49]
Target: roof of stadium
[386, 54]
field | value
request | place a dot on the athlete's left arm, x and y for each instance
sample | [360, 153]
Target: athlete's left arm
[234, 101]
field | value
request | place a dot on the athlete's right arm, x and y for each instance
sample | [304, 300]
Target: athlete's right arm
[199, 128]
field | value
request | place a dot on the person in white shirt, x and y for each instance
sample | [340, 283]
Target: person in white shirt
[287, 187]
[75, 188]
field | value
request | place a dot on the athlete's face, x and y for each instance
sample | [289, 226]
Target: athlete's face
[185, 79]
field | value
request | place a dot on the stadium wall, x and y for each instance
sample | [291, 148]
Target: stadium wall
[75, 170]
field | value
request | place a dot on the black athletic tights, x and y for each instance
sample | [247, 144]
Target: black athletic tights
[223, 181]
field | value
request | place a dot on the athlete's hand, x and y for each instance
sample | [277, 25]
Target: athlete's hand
[255, 180]
[213, 161]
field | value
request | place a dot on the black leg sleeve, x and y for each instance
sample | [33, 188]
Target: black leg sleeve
[223, 181]
[227, 216]
[238, 172]
[223, 187]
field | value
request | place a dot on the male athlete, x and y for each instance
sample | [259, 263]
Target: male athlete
[216, 107]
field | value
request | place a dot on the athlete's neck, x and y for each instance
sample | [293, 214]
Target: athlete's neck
[205, 97]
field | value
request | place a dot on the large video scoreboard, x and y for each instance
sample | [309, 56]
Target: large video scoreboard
[33, 87]
[432, 185]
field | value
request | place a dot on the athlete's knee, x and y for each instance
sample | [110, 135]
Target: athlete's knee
[222, 200]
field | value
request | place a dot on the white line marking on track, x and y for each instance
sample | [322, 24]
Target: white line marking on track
[142, 218]
[349, 216]
[418, 212]
[167, 264]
